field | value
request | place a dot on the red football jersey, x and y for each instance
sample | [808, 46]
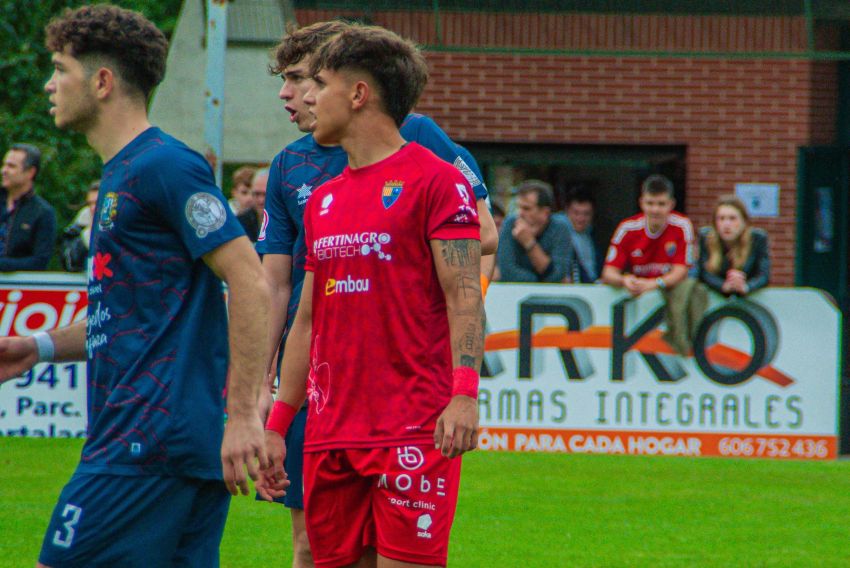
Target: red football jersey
[381, 363]
[634, 249]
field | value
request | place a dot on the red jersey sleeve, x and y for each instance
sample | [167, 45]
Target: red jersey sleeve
[452, 209]
[618, 253]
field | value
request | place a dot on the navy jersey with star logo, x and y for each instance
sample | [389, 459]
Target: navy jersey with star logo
[157, 325]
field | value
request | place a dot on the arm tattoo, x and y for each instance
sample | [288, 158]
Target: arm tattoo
[457, 253]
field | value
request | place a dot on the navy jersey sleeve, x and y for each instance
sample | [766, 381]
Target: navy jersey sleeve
[182, 190]
[425, 132]
[279, 232]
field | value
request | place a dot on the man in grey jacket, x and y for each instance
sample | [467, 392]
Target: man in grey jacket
[534, 245]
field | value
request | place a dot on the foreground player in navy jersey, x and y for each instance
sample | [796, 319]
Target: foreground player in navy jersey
[156, 473]
[298, 171]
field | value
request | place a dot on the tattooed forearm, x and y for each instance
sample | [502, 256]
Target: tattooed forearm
[458, 265]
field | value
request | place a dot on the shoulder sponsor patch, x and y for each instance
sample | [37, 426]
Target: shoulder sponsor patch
[205, 213]
[466, 171]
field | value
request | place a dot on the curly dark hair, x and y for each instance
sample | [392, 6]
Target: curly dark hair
[396, 64]
[302, 42]
[127, 39]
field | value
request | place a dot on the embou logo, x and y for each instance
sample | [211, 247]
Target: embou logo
[348, 285]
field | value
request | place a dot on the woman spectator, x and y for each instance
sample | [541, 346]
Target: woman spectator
[734, 255]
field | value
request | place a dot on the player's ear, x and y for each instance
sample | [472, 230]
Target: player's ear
[360, 94]
[103, 82]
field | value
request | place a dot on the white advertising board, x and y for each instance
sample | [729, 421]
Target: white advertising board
[50, 400]
[585, 369]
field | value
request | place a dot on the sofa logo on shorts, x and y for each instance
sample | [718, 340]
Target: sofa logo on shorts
[423, 523]
[410, 458]
[353, 244]
[347, 285]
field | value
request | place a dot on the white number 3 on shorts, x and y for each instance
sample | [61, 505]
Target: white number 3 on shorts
[74, 513]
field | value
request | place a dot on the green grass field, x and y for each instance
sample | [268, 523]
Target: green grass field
[530, 510]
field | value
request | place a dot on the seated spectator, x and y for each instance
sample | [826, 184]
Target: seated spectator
[252, 218]
[579, 210]
[653, 251]
[27, 222]
[534, 245]
[240, 191]
[733, 256]
[74, 247]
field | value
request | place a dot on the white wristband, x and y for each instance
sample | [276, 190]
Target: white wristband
[44, 346]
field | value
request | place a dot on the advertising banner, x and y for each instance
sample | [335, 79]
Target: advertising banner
[585, 369]
[574, 369]
[50, 400]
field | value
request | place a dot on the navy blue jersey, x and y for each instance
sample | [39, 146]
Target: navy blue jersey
[304, 165]
[157, 324]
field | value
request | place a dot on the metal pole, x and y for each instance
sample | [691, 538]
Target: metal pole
[214, 92]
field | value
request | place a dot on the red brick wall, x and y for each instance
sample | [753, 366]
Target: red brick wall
[742, 120]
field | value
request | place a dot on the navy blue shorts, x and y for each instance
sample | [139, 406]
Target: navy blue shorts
[115, 520]
[294, 461]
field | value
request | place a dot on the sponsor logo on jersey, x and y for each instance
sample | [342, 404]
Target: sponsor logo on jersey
[326, 203]
[100, 266]
[262, 235]
[347, 285]
[205, 213]
[108, 211]
[670, 248]
[466, 171]
[410, 458]
[423, 523]
[392, 189]
[304, 193]
[353, 244]
[637, 253]
[466, 211]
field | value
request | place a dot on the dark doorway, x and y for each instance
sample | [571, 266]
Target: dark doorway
[613, 174]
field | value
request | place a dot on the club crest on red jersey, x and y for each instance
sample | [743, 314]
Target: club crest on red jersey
[392, 189]
[670, 248]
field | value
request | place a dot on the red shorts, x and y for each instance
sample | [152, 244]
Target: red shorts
[401, 501]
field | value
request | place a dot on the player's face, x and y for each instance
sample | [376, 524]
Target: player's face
[729, 223]
[13, 173]
[296, 83]
[656, 208]
[581, 215]
[73, 104]
[328, 101]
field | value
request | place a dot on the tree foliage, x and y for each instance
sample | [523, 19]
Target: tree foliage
[68, 164]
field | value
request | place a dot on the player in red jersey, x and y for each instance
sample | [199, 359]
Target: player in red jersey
[654, 249]
[389, 332]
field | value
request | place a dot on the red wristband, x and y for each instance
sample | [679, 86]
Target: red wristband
[281, 417]
[465, 382]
